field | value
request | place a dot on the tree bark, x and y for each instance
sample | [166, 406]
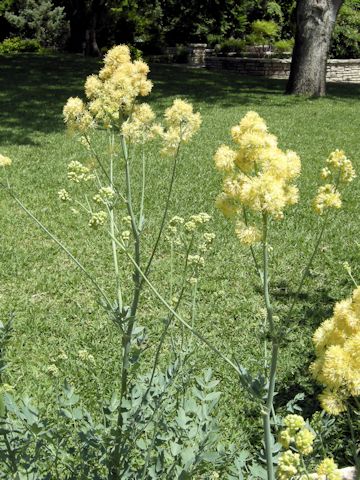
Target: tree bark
[314, 26]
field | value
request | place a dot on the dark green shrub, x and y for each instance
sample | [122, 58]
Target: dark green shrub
[283, 46]
[182, 54]
[263, 32]
[19, 45]
[232, 45]
[212, 40]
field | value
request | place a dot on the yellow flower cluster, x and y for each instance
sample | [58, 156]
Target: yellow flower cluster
[259, 175]
[328, 197]
[297, 434]
[98, 219]
[64, 195]
[5, 161]
[105, 195]
[181, 124]
[288, 465]
[139, 127]
[76, 116]
[247, 235]
[111, 102]
[78, 172]
[339, 170]
[328, 468]
[337, 344]
[111, 94]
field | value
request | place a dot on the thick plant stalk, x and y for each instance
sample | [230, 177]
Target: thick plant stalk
[112, 229]
[266, 413]
[130, 317]
[197, 334]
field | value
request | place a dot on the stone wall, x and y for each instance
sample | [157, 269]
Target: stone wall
[337, 70]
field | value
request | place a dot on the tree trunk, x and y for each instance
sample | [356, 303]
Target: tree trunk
[314, 26]
[91, 46]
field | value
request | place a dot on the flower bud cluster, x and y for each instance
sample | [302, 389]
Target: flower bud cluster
[297, 435]
[337, 345]
[181, 232]
[105, 195]
[98, 219]
[288, 465]
[64, 195]
[77, 172]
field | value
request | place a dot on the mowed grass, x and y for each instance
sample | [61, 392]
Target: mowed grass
[55, 308]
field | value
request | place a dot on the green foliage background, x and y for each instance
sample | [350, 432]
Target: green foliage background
[151, 25]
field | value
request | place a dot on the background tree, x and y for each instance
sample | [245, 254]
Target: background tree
[346, 36]
[5, 27]
[314, 27]
[41, 20]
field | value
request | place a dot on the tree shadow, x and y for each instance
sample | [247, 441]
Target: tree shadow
[313, 307]
[34, 89]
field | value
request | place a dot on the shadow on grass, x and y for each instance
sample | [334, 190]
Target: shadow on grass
[33, 90]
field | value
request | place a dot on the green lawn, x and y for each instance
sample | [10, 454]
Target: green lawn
[55, 308]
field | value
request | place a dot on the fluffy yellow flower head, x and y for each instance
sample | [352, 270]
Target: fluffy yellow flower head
[248, 235]
[338, 164]
[182, 123]
[337, 343]
[332, 402]
[5, 161]
[328, 197]
[111, 93]
[76, 116]
[259, 172]
[226, 205]
[339, 171]
[139, 126]
[225, 159]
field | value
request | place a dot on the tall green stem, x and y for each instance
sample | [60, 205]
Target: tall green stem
[112, 229]
[257, 266]
[130, 317]
[141, 213]
[266, 413]
[177, 316]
